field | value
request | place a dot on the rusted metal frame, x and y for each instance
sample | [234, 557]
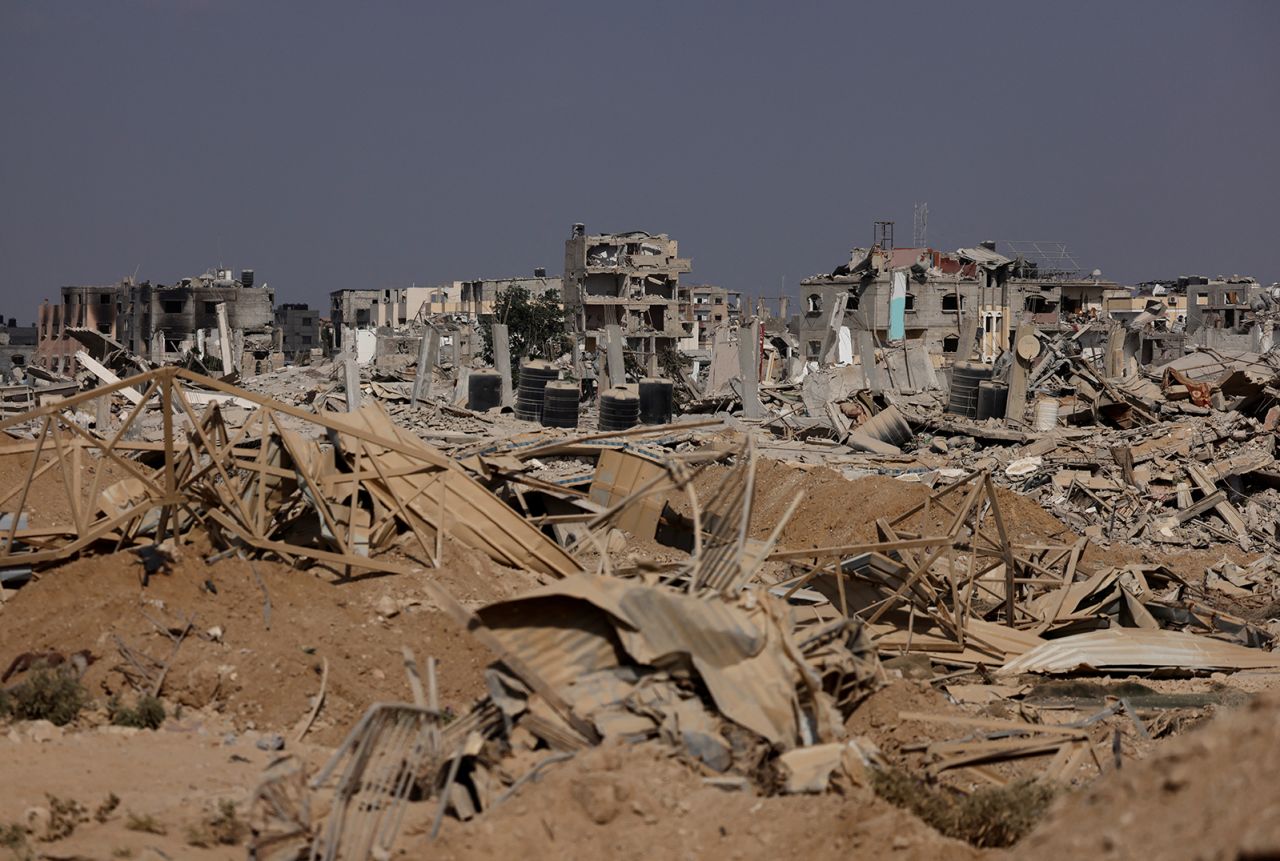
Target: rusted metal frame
[1010, 562]
[77, 469]
[26, 486]
[96, 532]
[260, 497]
[116, 439]
[72, 498]
[848, 550]
[76, 400]
[959, 610]
[732, 496]
[316, 496]
[534, 550]
[735, 566]
[398, 505]
[216, 458]
[1003, 751]
[422, 451]
[170, 477]
[444, 497]
[1068, 577]
[148, 481]
[630, 432]
[773, 539]
[315, 554]
[919, 574]
[538, 484]
[937, 495]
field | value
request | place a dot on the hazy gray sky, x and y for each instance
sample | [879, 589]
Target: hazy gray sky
[331, 145]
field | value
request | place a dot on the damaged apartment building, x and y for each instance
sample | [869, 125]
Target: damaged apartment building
[631, 280]
[160, 323]
[959, 305]
[706, 307]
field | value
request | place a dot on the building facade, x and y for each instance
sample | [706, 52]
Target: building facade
[631, 280]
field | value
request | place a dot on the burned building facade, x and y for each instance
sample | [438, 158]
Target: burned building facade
[158, 322]
[630, 280]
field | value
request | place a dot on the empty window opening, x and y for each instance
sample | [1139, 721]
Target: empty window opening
[815, 303]
[951, 344]
[952, 302]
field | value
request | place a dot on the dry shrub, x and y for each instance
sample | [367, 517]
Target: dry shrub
[145, 823]
[146, 713]
[46, 694]
[988, 818]
[64, 815]
[223, 828]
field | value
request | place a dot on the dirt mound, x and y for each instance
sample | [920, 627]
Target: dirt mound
[260, 676]
[1208, 794]
[836, 510]
[637, 802]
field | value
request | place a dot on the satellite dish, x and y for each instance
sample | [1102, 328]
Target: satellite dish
[1097, 273]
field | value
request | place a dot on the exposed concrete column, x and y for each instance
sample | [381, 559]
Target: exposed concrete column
[351, 377]
[230, 361]
[834, 321]
[102, 414]
[1024, 341]
[749, 366]
[614, 353]
[502, 361]
[866, 346]
[428, 358]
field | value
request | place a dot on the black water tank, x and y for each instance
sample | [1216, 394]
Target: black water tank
[246, 278]
[656, 397]
[534, 377]
[993, 397]
[484, 390]
[560, 404]
[965, 377]
[619, 409]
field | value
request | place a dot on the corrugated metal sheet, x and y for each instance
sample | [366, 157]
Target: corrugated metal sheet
[738, 652]
[1138, 649]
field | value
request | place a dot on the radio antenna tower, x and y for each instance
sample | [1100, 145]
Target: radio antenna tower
[920, 229]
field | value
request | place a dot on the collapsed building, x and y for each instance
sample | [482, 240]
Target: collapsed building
[160, 323]
[630, 280]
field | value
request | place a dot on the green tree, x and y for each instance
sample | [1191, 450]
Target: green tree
[535, 326]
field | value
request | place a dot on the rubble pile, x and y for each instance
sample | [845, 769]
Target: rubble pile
[730, 650]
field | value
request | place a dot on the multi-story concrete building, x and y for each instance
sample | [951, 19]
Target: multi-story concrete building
[96, 308]
[297, 329]
[17, 346]
[705, 308]
[945, 296]
[160, 323]
[478, 297]
[630, 280]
